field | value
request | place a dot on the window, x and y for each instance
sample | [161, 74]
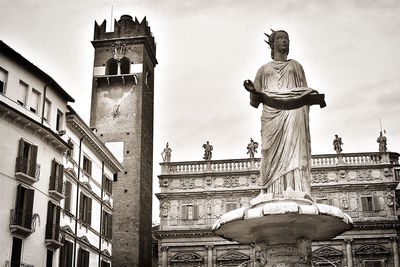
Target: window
[16, 252]
[47, 110]
[107, 184]
[26, 160]
[85, 209]
[87, 165]
[68, 196]
[3, 80]
[112, 67]
[190, 212]
[56, 178]
[83, 258]
[49, 260]
[53, 221]
[106, 229]
[22, 92]
[372, 264]
[35, 100]
[22, 215]
[325, 201]
[231, 206]
[66, 254]
[105, 263]
[70, 151]
[370, 203]
[59, 120]
[125, 65]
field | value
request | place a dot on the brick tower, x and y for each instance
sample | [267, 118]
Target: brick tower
[122, 113]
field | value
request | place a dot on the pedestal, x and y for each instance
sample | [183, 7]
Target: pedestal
[282, 228]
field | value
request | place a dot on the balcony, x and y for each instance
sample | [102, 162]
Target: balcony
[56, 188]
[22, 222]
[53, 236]
[17, 264]
[26, 170]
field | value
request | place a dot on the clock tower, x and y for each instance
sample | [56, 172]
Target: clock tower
[122, 113]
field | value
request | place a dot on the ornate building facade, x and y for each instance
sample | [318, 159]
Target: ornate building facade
[194, 194]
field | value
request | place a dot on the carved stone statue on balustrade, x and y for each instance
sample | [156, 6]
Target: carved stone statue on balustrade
[252, 148]
[166, 154]
[382, 142]
[207, 151]
[281, 87]
[337, 144]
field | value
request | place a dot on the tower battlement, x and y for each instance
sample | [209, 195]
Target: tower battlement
[125, 27]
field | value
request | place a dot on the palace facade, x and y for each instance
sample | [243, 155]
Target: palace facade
[194, 194]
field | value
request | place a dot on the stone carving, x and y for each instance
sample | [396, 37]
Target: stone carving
[364, 175]
[164, 209]
[389, 198]
[231, 182]
[164, 182]
[187, 183]
[282, 88]
[337, 144]
[166, 154]
[253, 178]
[187, 257]
[208, 180]
[320, 177]
[382, 142]
[207, 151]
[233, 255]
[370, 250]
[252, 148]
[342, 174]
[119, 50]
[387, 172]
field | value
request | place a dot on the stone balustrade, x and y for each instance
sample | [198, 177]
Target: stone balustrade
[238, 165]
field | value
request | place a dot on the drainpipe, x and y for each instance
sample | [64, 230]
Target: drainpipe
[101, 209]
[77, 198]
[44, 101]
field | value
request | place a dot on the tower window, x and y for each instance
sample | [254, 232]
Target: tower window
[125, 65]
[22, 92]
[3, 80]
[35, 100]
[112, 67]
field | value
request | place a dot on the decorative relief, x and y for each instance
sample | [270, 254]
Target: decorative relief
[175, 184]
[332, 176]
[232, 256]
[187, 183]
[364, 175]
[389, 195]
[187, 257]
[164, 182]
[387, 172]
[253, 178]
[342, 174]
[218, 182]
[208, 180]
[231, 182]
[353, 204]
[243, 181]
[164, 209]
[119, 50]
[319, 177]
[376, 174]
[352, 175]
[372, 251]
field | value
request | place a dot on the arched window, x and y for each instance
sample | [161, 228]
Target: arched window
[125, 65]
[112, 67]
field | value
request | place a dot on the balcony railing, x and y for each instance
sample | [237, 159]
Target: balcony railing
[17, 264]
[56, 188]
[27, 170]
[239, 165]
[22, 222]
[53, 236]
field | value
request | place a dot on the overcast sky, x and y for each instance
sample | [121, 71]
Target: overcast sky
[350, 51]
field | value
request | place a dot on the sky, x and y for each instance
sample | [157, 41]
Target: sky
[206, 49]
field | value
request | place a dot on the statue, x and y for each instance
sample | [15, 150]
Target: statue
[207, 151]
[337, 144]
[285, 148]
[382, 142]
[166, 154]
[252, 148]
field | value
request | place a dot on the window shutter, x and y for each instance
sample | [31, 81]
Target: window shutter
[89, 211]
[29, 200]
[49, 221]
[21, 148]
[80, 257]
[20, 197]
[67, 202]
[53, 175]
[63, 256]
[195, 212]
[90, 167]
[61, 171]
[81, 206]
[110, 226]
[57, 225]
[104, 185]
[376, 203]
[364, 204]
[184, 212]
[69, 254]
[34, 150]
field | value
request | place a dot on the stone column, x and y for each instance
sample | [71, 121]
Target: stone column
[209, 255]
[349, 252]
[395, 251]
[164, 256]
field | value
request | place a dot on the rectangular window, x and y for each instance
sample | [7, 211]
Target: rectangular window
[105, 263]
[85, 209]
[325, 201]
[83, 258]
[22, 93]
[107, 185]
[106, 229]
[87, 165]
[35, 101]
[49, 260]
[47, 110]
[231, 206]
[53, 221]
[26, 160]
[56, 178]
[190, 212]
[59, 120]
[16, 252]
[3, 80]
[66, 254]
[370, 203]
[68, 196]
[70, 151]
[372, 264]
[22, 214]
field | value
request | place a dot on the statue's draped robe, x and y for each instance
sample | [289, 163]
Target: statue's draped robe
[286, 147]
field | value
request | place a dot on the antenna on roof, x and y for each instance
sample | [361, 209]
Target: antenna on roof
[112, 10]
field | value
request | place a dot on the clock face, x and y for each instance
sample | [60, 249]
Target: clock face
[116, 111]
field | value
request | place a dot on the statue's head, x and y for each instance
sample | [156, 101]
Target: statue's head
[281, 38]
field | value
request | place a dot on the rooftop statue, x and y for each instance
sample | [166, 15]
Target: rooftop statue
[337, 144]
[281, 87]
[252, 148]
[166, 154]
[207, 151]
[382, 142]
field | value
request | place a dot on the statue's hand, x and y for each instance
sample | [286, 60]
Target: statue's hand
[249, 86]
